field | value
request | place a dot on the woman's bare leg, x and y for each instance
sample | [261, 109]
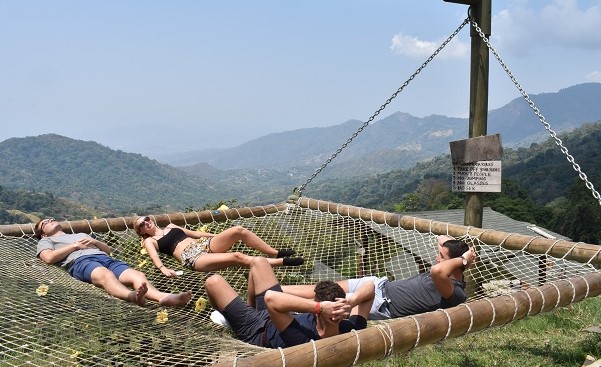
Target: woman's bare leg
[217, 261]
[224, 241]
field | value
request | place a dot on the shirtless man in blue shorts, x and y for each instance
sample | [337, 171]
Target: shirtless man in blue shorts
[267, 319]
[88, 260]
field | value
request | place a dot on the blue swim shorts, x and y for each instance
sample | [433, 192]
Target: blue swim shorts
[82, 267]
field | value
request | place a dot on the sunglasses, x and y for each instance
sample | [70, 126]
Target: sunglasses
[144, 222]
[44, 222]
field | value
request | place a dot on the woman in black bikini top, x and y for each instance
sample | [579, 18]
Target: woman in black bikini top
[203, 251]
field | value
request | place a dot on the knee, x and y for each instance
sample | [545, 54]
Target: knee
[259, 262]
[239, 230]
[241, 258]
[101, 275]
[136, 276]
[269, 299]
[213, 283]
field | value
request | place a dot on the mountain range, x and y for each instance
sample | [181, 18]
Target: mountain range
[265, 170]
[400, 140]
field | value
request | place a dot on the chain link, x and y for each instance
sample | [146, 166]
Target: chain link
[299, 190]
[541, 118]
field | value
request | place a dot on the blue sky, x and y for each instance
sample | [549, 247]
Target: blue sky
[168, 76]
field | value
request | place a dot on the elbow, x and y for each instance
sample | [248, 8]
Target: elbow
[48, 260]
[372, 292]
[435, 270]
[47, 257]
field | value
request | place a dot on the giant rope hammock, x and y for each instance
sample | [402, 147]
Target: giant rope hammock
[51, 319]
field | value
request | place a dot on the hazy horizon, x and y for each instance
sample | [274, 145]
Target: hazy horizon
[154, 78]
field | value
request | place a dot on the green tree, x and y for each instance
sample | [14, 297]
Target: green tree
[411, 202]
[515, 202]
[579, 215]
[431, 194]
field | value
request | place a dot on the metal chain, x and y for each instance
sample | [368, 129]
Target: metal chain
[299, 190]
[541, 118]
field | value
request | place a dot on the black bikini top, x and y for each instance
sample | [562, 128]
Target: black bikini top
[169, 241]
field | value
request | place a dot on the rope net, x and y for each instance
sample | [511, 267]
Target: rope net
[51, 319]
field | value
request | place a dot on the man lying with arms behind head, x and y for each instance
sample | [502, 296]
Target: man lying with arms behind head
[441, 287]
[273, 319]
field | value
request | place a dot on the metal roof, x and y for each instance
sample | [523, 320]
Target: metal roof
[490, 220]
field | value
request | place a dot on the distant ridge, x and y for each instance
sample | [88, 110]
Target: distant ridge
[400, 139]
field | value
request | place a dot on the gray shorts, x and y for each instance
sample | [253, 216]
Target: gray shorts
[378, 311]
[194, 250]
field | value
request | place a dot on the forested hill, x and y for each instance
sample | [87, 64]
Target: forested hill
[102, 178]
[542, 170]
[20, 206]
[114, 182]
[540, 185]
[117, 182]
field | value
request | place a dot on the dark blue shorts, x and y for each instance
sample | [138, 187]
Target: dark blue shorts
[82, 267]
[248, 323]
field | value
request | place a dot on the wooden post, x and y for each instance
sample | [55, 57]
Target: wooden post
[474, 202]
[480, 10]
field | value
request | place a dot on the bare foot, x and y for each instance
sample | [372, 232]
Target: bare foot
[139, 295]
[179, 299]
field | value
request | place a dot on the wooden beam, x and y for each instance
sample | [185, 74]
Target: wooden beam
[402, 335]
[123, 223]
[464, 2]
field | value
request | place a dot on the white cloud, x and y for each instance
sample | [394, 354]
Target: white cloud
[441, 133]
[521, 27]
[595, 76]
[415, 48]
[510, 29]
[571, 26]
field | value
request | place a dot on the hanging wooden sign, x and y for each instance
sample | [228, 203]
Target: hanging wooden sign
[476, 164]
[480, 176]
